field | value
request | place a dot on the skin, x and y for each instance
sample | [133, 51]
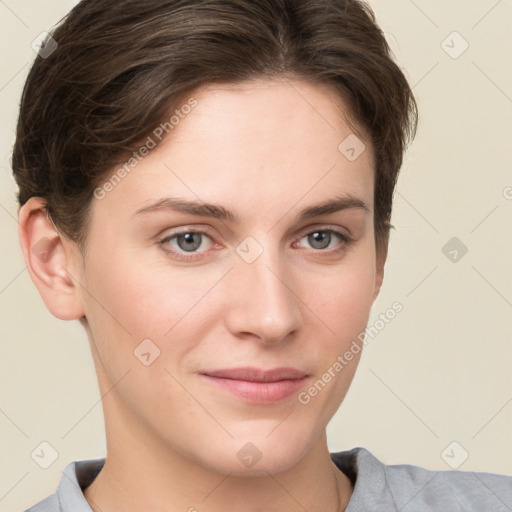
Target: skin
[264, 149]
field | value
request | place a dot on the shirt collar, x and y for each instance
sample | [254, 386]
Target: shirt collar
[371, 492]
[76, 477]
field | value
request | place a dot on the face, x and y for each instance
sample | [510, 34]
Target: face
[189, 308]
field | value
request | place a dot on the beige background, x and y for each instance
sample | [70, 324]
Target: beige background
[439, 372]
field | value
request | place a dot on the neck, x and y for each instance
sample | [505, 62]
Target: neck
[148, 476]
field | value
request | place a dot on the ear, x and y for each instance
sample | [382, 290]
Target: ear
[380, 261]
[51, 261]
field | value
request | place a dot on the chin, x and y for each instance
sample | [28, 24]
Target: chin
[259, 454]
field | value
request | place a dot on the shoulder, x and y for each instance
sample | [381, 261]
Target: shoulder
[49, 504]
[412, 488]
[449, 489]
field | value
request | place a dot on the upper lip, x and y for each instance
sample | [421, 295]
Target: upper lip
[252, 374]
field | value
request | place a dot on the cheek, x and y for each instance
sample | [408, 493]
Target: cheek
[346, 296]
[344, 307]
[136, 298]
[342, 304]
[130, 301]
[133, 311]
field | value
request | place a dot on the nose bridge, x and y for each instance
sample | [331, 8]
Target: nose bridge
[263, 303]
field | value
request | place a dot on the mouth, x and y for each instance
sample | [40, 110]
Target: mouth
[256, 385]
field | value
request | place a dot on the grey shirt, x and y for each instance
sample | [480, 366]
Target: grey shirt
[377, 487]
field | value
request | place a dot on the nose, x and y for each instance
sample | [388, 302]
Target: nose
[262, 301]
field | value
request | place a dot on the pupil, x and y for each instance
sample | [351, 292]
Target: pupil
[319, 238]
[190, 243]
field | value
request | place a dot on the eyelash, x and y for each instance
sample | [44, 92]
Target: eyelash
[345, 241]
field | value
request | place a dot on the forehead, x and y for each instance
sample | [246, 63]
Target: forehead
[274, 110]
[269, 142]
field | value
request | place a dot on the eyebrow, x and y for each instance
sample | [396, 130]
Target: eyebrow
[202, 209]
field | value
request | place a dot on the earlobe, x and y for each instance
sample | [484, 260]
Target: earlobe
[48, 261]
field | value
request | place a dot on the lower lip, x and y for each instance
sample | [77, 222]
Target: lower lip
[259, 392]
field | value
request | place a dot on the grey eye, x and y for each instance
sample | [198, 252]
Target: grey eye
[320, 239]
[189, 241]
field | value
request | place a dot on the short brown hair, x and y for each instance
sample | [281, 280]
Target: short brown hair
[120, 65]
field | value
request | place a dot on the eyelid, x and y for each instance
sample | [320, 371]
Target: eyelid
[344, 241]
[183, 256]
[185, 229]
[325, 227]
[304, 231]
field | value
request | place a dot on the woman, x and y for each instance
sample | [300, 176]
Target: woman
[207, 187]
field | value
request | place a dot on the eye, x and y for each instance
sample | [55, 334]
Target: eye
[322, 239]
[185, 244]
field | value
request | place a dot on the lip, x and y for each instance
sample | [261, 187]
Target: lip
[256, 385]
